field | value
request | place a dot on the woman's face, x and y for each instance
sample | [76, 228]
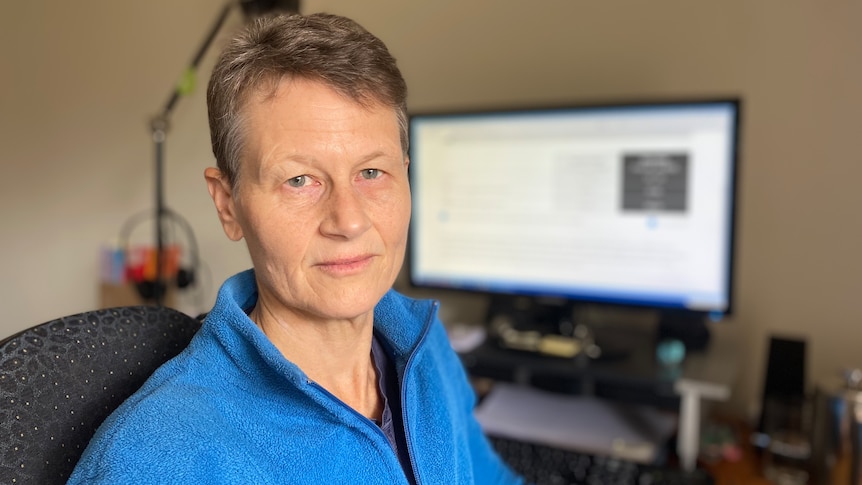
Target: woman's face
[323, 201]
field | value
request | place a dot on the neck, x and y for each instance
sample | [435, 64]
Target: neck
[336, 354]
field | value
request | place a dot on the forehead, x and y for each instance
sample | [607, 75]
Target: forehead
[309, 118]
[307, 105]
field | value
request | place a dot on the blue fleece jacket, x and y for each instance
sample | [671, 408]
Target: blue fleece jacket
[231, 409]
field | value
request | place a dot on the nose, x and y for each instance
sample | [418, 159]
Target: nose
[345, 213]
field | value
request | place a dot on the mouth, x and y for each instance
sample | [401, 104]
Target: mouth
[346, 266]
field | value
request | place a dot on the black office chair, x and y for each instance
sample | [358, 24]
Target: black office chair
[61, 379]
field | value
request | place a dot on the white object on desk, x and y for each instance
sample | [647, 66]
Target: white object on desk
[465, 338]
[708, 375]
[581, 423]
[691, 392]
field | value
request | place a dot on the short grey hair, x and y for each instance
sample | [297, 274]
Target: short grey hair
[321, 47]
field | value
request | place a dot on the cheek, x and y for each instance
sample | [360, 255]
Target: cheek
[268, 230]
[405, 216]
[395, 207]
[399, 223]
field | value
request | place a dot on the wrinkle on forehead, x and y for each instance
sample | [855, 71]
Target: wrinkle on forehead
[330, 130]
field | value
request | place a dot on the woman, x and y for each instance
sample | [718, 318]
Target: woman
[309, 369]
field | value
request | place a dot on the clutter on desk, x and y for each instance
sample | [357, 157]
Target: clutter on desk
[585, 423]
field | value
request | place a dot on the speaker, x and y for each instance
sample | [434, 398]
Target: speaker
[782, 404]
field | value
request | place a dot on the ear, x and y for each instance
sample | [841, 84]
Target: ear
[224, 201]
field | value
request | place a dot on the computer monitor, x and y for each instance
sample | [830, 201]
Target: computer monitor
[624, 204]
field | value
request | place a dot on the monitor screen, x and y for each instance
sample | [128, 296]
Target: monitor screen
[624, 204]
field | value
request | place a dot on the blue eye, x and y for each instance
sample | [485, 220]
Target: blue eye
[298, 181]
[370, 173]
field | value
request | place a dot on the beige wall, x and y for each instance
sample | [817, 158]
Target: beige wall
[79, 81]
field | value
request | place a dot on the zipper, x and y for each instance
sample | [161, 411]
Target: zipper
[362, 418]
[402, 385]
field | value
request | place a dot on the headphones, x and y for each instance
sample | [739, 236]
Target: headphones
[187, 262]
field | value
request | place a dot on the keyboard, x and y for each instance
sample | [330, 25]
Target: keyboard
[546, 465]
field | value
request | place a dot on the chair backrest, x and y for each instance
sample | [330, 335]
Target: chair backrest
[61, 379]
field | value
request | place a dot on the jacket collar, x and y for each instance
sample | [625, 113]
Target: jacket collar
[400, 322]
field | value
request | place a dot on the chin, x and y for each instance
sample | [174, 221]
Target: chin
[353, 306]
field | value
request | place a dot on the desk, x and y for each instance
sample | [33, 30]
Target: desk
[747, 470]
[631, 374]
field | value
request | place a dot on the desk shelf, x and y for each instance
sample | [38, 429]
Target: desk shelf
[632, 376]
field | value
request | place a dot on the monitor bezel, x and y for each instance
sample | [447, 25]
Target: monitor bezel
[735, 102]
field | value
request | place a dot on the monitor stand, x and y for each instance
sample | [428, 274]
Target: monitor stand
[545, 315]
[687, 327]
[529, 319]
[544, 325]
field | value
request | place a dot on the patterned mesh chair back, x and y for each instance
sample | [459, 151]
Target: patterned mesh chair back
[61, 379]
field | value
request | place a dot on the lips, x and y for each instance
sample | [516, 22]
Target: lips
[347, 265]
